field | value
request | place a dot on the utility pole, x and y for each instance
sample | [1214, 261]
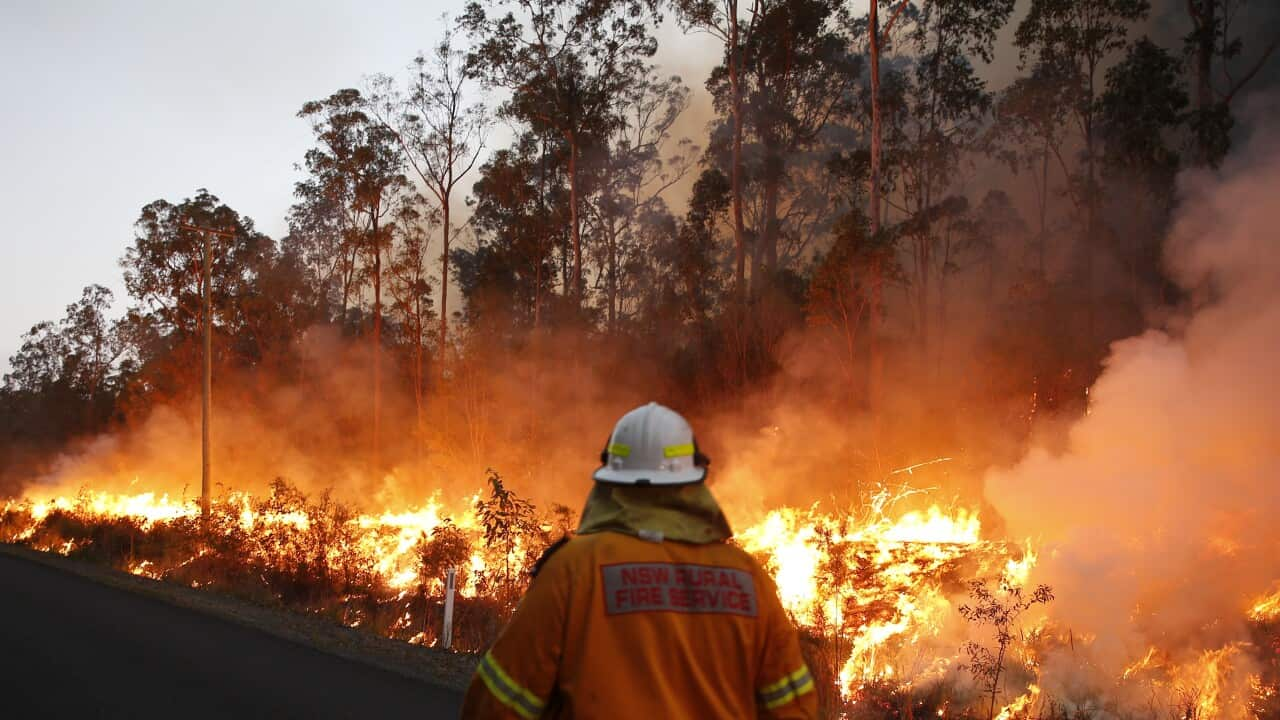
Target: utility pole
[206, 390]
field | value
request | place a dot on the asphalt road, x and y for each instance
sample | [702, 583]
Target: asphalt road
[71, 648]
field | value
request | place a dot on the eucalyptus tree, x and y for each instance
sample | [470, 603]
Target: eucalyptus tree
[65, 377]
[1027, 135]
[567, 64]
[410, 287]
[80, 351]
[639, 162]
[1078, 36]
[358, 160]
[1139, 113]
[728, 21]
[794, 77]
[947, 104]
[1216, 51]
[520, 220]
[442, 136]
[163, 266]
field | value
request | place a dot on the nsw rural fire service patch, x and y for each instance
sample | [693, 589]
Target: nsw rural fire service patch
[671, 587]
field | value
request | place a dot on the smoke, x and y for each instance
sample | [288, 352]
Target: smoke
[1158, 518]
[538, 416]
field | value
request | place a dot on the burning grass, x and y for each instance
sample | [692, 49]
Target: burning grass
[882, 593]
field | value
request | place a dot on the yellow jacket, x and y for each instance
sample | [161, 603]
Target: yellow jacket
[618, 627]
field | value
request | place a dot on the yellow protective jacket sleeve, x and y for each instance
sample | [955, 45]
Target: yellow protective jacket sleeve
[784, 686]
[516, 678]
[617, 627]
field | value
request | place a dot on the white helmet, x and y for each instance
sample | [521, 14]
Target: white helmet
[652, 445]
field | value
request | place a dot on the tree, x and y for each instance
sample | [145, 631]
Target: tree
[794, 76]
[1028, 134]
[945, 103]
[1140, 110]
[520, 218]
[1077, 36]
[411, 293]
[566, 63]
[442, 138]
[723, 20]
[163, 273]
[1000, 610]
[631, 174]
[507, 520]
[1211, 39]
[683, 284]
[73, 366]
[357, 161]
[838, 296]
[875, 36]
[323, 238]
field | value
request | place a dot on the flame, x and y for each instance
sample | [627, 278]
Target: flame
[881, 585]
[1153, 658]
[874, 578]
[1209, 684]
[1266, 609]
[1018, 708]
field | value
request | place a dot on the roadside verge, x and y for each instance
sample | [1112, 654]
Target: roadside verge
[428, 665]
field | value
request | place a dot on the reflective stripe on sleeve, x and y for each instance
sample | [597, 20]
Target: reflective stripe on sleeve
[508, 691]
[789, 688]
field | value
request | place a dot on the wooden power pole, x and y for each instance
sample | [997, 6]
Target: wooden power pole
[206, 388]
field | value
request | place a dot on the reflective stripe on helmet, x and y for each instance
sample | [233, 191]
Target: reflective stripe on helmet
[619, 449]
[674, 451]
[789, 688]
[508, 691]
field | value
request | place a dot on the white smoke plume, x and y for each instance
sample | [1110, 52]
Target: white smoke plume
[1161, 517]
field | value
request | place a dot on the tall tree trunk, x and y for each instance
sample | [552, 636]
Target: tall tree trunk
[1204, 12]
[573, 218]
[377, 344]
[1091, 213]
[537, 294]
[420, 333]
[444, 285]
[612, 234]
[875, 367]
[348, 278]
[735, 88]
[765, 256]
[1044, 206]
[542, 213]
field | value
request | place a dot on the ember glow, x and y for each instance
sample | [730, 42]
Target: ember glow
[879, 584]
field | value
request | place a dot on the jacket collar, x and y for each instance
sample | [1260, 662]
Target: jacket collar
[684, 513]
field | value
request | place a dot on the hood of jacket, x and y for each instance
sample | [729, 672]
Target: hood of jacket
[684, 513]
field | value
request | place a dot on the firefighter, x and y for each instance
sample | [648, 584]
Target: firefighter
[646, 612]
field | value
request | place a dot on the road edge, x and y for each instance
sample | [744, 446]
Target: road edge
[451, 671]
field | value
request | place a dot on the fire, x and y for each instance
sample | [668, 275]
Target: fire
[1266, 609]
[878, 585]
[1018, 708]
[874, 579]
[1210, 684]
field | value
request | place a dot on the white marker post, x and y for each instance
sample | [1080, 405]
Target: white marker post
[450, 580]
